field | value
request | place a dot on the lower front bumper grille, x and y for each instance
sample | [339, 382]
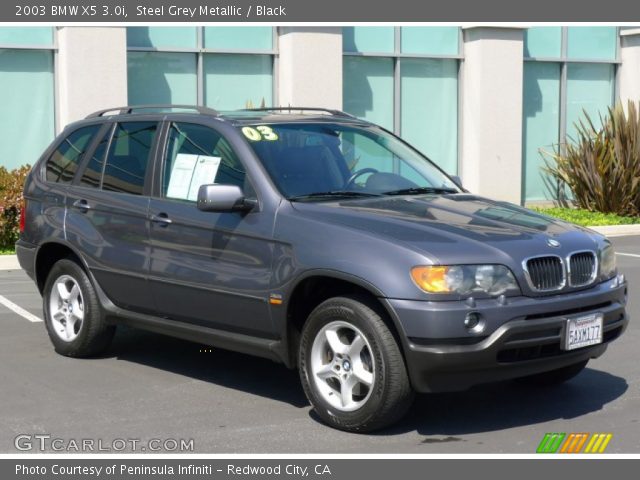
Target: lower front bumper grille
[548, 343]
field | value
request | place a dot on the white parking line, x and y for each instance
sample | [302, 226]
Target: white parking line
[635, 255]
[19, 310]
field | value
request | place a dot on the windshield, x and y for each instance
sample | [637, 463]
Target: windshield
[307, 160]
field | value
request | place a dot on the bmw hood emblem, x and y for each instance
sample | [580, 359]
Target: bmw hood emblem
[553, 243]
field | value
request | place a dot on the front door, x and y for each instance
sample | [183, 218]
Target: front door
[210, 269]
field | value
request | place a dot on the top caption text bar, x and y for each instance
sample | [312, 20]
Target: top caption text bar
[329, 11]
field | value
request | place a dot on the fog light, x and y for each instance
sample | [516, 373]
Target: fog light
[473, 322]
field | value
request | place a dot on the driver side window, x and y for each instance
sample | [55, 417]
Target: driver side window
[198, 155]
[361, 152]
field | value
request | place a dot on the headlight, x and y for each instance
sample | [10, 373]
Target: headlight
[607, 262]
[464, 279]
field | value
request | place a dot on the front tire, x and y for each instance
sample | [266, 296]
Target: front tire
[72, 312]
[351, 366]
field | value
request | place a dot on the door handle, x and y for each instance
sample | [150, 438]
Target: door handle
[162, 219]
[82, 204]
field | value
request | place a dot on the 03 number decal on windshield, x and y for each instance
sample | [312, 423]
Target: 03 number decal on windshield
[261, 132]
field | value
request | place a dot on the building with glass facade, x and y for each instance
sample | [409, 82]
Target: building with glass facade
[481, 102]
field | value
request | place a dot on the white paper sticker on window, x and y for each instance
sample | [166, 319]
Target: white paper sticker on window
[189, 172]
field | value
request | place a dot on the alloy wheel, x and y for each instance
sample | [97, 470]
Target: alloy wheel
[342, 366]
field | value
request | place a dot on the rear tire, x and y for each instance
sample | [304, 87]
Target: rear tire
[554, 377]
[351, 366]
[72, 312]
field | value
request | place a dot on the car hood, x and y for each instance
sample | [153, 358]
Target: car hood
[456, 228]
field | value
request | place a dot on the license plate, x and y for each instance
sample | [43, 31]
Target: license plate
[583, 331]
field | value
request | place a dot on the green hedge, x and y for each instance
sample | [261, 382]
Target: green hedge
[587, 218]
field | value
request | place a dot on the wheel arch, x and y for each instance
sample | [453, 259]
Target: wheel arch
[48, 254]
[315, 287]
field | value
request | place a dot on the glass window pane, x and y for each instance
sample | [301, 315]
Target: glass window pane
[320, 157]
[541, 123]
[368, 39]
[590, 90]
[26, 90]
[368, 89]
[128, 157]
[541, 42]
[161, 77]
[239, 38]
[429, 96]
[237, 81]
[161, 37]
[26, 36]
[430, 40]
[592, 43]
[63, 163]
[92, 174]
[362, 152]
[198, 155]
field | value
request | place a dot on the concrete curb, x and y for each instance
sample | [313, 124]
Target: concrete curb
[9, 262]
[617, 230]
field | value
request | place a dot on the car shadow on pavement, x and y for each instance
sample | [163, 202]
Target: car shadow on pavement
[484, 408]
[510, 404]
[254, 375]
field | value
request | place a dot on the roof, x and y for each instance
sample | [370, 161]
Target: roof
[238, 117]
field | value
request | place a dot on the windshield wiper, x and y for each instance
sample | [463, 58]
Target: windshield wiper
[420, 190]
[332, 194]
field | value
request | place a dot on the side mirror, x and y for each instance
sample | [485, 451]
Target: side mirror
[457, 180]
[223, 198]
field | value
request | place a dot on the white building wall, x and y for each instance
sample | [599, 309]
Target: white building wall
[92, 71]
[491, 133]
[310, 67]
[629, 70]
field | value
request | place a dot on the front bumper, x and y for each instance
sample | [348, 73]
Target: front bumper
[521, 337]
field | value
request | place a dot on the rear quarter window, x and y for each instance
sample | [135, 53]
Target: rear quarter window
[63, 163]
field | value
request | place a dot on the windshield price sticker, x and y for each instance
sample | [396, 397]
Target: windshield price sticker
[259, 133]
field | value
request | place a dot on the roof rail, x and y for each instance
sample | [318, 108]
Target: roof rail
[130, 109]
[337, 113]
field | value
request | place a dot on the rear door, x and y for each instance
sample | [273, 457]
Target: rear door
[107, 212]
[211, 269]
[58, 173]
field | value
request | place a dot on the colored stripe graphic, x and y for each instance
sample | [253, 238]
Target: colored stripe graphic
[581, 443]
[550, 443]
[569, 443]
[598, 443]
[574, 442]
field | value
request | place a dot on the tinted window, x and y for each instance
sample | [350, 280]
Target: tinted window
[63, 163]
[92, 174]
[198, 155]
[128, 157]
[305, 159]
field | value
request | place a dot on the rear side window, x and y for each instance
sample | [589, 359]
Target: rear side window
[198, 155]
[63, 163]
[92, 174]
[128, 157]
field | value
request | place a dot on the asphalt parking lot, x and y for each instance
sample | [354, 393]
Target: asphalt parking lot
[154, 387]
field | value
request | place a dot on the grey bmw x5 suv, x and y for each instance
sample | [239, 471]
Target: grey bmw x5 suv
[315, 239]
